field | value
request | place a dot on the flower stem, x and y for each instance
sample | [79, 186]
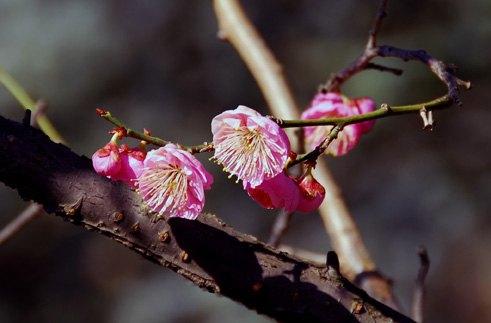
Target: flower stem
[131, 133]
[384, 111]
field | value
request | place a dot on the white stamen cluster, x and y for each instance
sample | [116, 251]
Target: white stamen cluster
[245, 154]
[167, 186]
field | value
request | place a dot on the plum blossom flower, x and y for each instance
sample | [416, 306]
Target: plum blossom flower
[276, 193]
[334, 105]
[173, 182]
[249, 145]
[107, 160]
[312, 192]
[131, 164]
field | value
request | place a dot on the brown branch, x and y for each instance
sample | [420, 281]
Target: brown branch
[381, 14]
[382, 68]
[19, 222]
[208, 252]
[419, 291]
[444, 72]
[279, 228]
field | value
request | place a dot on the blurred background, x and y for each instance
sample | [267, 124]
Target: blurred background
[159, 65]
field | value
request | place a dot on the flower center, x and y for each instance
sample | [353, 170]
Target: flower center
[164, 188]
[245, 153]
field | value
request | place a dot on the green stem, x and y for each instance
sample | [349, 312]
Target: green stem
[319, 150]
[153, 140]
[28, 103]
[384, 111]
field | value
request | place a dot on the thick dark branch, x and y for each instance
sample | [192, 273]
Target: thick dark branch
[207, 251]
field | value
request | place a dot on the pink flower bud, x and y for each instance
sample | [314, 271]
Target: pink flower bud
[312, 193]
[107, 160]
[131, 164]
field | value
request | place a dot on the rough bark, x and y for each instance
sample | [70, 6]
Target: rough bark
[207, 251]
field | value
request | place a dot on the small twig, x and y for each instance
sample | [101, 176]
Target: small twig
[332, 261]
[373, 66]
[442, 71]
[419, 291]
[131, 133]
[362, 62]
[19, 221]
[321, 148]
[279, 228]
[28, 103]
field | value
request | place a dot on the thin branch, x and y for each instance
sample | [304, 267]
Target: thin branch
[206, 251]
[442, 71]
[373, 66]
[362, 62]
[419, 291]
[131, 133]
[28, 103]
[321, 148]
[384, 111]
[279, 228]
[381, 14]
[20, 221]
[235, 27]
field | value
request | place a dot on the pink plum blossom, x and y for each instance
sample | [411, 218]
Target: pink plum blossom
[173, 182]
[107, 160]
[131, 164]
[312, 192]
[334, 105]
[249, 145]
[276, 193]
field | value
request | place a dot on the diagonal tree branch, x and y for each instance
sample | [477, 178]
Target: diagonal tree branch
[208, 252]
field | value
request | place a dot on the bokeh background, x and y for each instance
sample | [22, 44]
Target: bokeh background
[159, 65]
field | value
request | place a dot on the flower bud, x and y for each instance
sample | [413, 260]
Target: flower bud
[107, 160]
[131, 164]
[312, 192]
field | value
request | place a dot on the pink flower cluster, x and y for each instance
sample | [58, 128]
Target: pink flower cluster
[170, 180]
[255, 149]
[123, 164]
[248, 145]
[334, 105]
